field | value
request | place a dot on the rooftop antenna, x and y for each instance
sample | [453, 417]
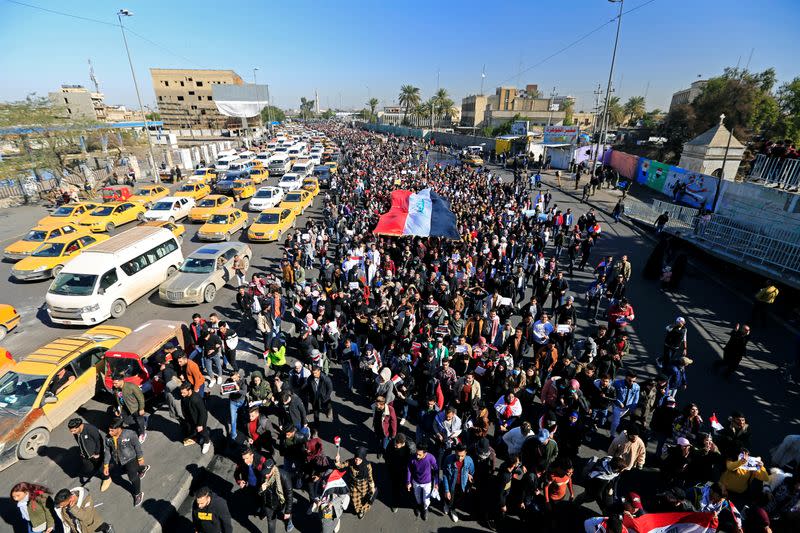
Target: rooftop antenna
[93, 77]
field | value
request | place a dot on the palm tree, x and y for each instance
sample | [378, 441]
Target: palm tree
[614, 112]
[409, 99]
[306, 106]
[567, 106]
[442, 104]
[634, 108]
[372, 103]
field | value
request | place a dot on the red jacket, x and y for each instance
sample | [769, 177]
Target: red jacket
[385, 425]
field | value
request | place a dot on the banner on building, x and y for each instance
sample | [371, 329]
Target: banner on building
[624, 164]
[561, 134]
[519, 127]
[691, 188]
[240, 101]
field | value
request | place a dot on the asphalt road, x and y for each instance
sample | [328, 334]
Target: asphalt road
[705, 299]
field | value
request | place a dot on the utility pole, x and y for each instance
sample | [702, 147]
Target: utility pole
[550, 107]
[258, 102]
[125, 13]
[601, 139]
[596, 109]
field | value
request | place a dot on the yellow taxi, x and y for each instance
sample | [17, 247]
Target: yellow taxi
[271, 224]
[222, 225]
[204, 174]
[473, 160]
[312, 186]
[258, 174]
[297, 201]
[9, 319]
[333, 166]
[39, 234]
[49, 258]
[208, 206]
[44, 389]
[147, 194]
[243, 188]
[177, 229]
[68, 213]
[194, 189]
[109, 216]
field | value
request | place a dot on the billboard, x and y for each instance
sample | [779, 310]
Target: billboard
[699, 188]
[561, 134]
[519, 127]
[240, 100]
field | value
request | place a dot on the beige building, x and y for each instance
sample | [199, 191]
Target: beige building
[479, 111]
[687, 96]
[77, 103]
[584, 120]
[184, 97]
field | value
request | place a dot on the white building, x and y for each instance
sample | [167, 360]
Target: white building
[706, 152]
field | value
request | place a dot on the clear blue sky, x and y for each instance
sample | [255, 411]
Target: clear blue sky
[360, 48]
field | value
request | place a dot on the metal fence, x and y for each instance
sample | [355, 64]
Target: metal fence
[776, 171]
[771, 250]
[76, 180]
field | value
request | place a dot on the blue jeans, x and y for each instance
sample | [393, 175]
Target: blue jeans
[216, 360]
[348, 371]
[235, 406]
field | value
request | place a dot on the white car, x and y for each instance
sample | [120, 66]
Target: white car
[170, 208]
[264, 198]
[315, 158]
[290, 182]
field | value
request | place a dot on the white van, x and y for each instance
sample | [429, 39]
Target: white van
[224, 162]
[297, 150]
[105, 279]
[279, 164]
[303, 167]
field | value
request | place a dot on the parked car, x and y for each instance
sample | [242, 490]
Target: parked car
[109, 216]
[208, 206]
[205, 174]
[271, 224]
[170, 208]
[49, 259]
[203, 273]
[194, 190]
[68, 213]
[177, 229]
[116, 193]
[290, 181]
[311, 185]
[39, 235]
[264, 198]
[9, 319]
[147, 194]
[222, 225]
[258, 174]
[31, 408]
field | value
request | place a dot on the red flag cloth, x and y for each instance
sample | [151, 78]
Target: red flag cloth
[394, 221]
[672, 523]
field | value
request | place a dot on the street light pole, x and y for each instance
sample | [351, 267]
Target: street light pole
[603, 124]
[258, 103]
[125, 13]
[269, 110]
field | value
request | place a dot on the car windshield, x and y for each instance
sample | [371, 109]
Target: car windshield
[36, 235]
[264, 193]
[199, 172]
[51, 249]
[102, 211]
[188, 188]
[293, 197]
[290, 178]
[144, 192]
[239, 183]
[62, 211]
[197, 265]
[125, 366]
[73, 284]
[267, 218]
[207, 203]
[19, 391]
[219, 219]
[162, 206]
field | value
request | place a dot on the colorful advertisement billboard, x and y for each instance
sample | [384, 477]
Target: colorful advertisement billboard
[561, 134]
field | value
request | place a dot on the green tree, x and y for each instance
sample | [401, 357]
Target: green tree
[274, 113]
[153, 116]
[306, 107]
[442, 105]
[328, 114]
[653, 118]
[679, 126]
[505, 127]
[789, 104]
[568, 107]
[373, 105]
[409, 98]
[634, 108]
[615, 114]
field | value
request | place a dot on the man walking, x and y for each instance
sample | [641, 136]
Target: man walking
[90, 447]
[422, 478]
[318, 390]
[212, 357]
[195, 418]
[457, 472]
[210, 513]
[122, 448]
[627, 399]
[130, 405]
[78, 513]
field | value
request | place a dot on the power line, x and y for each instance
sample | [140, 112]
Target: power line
[575, 42]
[105, 23]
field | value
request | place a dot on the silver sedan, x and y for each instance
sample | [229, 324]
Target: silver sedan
[204, 272]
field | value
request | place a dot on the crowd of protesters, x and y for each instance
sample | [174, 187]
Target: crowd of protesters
[466, 353]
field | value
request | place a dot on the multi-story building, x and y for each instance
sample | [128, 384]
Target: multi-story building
[479, 111]
[687, 96]
[77, 103]
[184, 97]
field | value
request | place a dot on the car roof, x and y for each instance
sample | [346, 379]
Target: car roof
[213, 248]
[227, 211]
[269, 187]
[60, 350]
[53, 224]
[170, 198]
[69, 237]
[148, 334]
[274, 210]
[215, 197]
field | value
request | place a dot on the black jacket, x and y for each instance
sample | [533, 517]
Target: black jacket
[214, 518]
[194, 410]
[90, 441]
[323, 390]
[294, 412]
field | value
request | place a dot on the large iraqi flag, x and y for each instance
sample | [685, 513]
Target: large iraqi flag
[423, 213]
[672, 523]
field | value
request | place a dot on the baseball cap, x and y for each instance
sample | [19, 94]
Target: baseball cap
[543, 435]
[683, 441]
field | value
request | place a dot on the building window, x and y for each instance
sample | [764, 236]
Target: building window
[180, 98]
[181, 84]
[202, 111]
[191, 93]
[210, 98]
[190, 79]
[160, 98]
[194, 107]
[199, 83]
[166, 83]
